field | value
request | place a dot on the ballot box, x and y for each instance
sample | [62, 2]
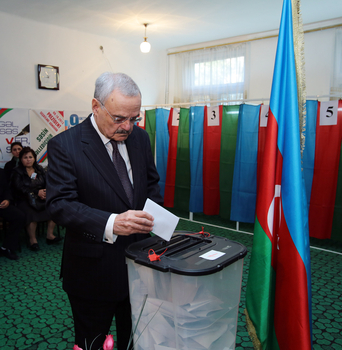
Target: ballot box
[185, 293]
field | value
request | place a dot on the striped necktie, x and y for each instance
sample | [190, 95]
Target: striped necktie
[121, 170]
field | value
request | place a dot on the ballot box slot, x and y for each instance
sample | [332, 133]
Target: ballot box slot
[191, 250]
[162, 244]
[183, 248]
[178, 245]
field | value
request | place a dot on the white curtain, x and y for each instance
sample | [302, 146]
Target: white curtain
[218, 73]
[336, 79]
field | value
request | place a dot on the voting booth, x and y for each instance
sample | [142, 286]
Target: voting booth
[185, 293]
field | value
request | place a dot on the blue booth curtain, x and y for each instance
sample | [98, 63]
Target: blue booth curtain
[162, 145]
[245, 165]
[310, 146]
[196, 121]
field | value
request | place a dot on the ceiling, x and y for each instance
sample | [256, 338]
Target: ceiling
[172, 23]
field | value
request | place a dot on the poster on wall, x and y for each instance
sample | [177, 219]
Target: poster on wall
[72, 118]
[45, 124]
[141, 124]
[14, 127]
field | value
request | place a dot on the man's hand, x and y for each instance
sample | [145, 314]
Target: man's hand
[133, 221]
[42, 194]
[4, 204]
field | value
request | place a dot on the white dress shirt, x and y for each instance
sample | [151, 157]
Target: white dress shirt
[108, 235]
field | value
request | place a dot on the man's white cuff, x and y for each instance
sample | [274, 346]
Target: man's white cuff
[109, 236]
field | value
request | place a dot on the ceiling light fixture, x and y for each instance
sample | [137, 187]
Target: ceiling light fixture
[145, 46]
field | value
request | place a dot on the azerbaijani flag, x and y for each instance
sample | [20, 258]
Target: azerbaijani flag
[278, 296]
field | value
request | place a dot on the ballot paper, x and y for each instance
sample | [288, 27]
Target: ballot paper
[164, 222]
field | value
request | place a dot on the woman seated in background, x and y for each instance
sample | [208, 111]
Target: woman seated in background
[16, 147]
[29, 185]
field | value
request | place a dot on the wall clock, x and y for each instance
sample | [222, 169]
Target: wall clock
[48, 77]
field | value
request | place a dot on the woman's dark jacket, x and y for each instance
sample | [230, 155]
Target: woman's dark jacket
[9, 166]
[22, 184]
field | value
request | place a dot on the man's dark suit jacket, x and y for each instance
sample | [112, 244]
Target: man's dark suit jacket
[83, 189]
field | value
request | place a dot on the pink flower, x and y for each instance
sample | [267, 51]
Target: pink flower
[76, 347]
[108, 343]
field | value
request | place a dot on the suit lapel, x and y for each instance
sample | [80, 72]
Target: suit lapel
[135, 159]
[96, 152]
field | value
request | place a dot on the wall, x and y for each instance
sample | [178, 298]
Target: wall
[319, 55]
[25, 43]
[319, 51]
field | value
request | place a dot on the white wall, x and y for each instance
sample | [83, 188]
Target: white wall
[319, 51]
[261, 68]
[25, 43]
[319, 54]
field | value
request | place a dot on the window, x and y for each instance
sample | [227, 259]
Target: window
[219, 72]
[215, 74]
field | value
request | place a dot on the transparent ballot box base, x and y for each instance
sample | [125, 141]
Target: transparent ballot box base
[171, 311]
[189, 298]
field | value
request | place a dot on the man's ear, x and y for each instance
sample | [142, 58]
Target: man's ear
[95, 104]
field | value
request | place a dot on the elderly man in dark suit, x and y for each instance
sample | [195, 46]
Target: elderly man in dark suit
[100, 174]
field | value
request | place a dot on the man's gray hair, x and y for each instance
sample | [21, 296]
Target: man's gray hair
[107, 82]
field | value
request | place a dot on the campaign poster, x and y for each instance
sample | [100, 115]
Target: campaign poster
[72, 118]
[14, 127]
[45, 124]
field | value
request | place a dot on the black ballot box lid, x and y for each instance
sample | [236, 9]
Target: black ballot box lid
[187, 253]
